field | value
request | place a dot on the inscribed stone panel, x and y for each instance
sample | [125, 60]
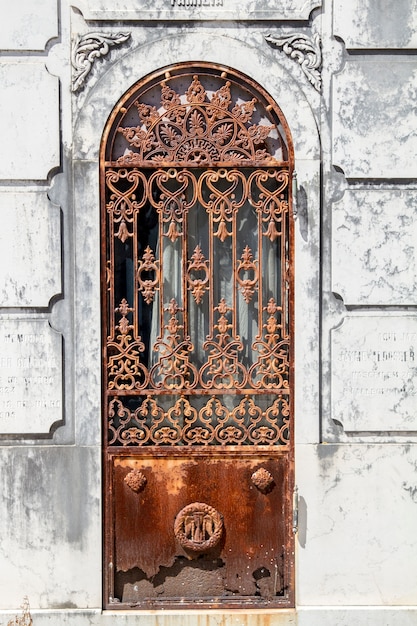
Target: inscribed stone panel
[376, 24]
[374, 373]
[30, 225]
[197, 9]
[28, 25]
[30, 376]
[374, 118]
[374, 247]
[29, 121]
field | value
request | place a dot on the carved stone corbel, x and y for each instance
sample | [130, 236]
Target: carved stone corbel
[87, 49]
[305, 50]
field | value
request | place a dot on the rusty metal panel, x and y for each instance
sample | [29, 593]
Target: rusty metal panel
[247, 557]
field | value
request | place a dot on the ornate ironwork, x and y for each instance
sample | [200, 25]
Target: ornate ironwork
[196, 128]
[198, 263]
[196, 260]
[214, 423]
[196, 175]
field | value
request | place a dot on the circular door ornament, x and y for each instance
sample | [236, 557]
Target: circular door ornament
[198, 527]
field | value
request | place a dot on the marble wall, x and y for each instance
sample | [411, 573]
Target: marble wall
[344, 75]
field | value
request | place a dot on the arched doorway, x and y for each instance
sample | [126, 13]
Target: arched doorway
[197, 256]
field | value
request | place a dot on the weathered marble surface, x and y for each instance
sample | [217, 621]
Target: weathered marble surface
[50, 515]
[376, 24]
[358, 506]
[30, 376]
[196, 9]
[30, 224]
[87, 312]
[374, 373]
[28, 25]
[374, 247]
[29, 120]
[373, 122]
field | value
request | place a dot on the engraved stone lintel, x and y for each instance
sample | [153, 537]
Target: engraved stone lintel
[305, 50]
[30, 377]
[87, 49]
[213, 10]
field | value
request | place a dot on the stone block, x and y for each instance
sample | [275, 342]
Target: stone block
[31, 400]
[28, 25]
[357, 545]
[50, 515]
[373, 122]
[376, 24]
[374, 373]
[29, 122]
[30, 249]
[374, 247]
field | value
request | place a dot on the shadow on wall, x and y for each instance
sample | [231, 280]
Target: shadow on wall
[302, 522]
[302, 212]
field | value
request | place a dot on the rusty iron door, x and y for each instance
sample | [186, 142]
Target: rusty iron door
[197, 301]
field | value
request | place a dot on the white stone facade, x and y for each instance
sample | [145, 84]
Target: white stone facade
[352, 119]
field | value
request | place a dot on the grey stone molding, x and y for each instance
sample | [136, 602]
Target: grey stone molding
[303, 49]
[87, 49]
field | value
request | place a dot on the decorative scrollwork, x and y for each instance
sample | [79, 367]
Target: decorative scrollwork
[245, 265]
[227, 194]
[196, 191]
[198, 263]
[87, 49]
[223, 369]
[173, 369]
[197, 129]
[148, 265]
[270, 371]
[124, 368]
[213, 423]
[305, 50]
[267, 194]
[198, 527]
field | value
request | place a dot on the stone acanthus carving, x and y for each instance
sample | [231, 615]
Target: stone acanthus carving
[135, 480]
[305, 50]
[87, 49]
[198, 527]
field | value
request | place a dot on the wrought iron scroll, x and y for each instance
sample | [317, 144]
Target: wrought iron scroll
[214, 423]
